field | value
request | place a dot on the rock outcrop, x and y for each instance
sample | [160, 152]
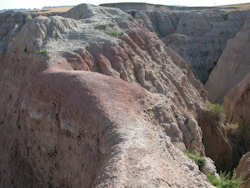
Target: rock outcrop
[236, 105]
[217, 145]
[229, 84]
[237, 102]
[232, 67]
[64, 124]
[198, 35]
[203, 37]
[243, 170]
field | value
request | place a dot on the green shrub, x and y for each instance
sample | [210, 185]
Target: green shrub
[225, 181]
[213, 179]
[42, 51]
[232, 125]
[215, 110]
[199, 160]
[116, 33]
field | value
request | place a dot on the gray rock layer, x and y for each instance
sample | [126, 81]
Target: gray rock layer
[65, 125]
[198, 35]
[233, 66]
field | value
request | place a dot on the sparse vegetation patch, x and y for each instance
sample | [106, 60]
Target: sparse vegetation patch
[224, 181]
[215, 110]
[42, 51]
[199, 160]
[232, 125]
[116, 33]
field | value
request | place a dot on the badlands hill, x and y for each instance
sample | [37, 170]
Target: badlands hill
[112, 95]
[198, 35]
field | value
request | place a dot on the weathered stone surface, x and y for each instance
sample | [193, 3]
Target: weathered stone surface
[65, 125]
[80, 128]
[233, 66]
[236, 106]
[209, 166]
[228, 84]
[11, 23]
[198, 35]
[237, 101]
[243, 170]
[216, 143]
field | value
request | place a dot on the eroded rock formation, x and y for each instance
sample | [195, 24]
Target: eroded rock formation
[233, 66]
[237, 101]
[198, 35]
[243, 170]
[65, 125]
[229, 84]
[216, 142]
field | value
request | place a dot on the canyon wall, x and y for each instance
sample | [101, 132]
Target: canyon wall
[90, 98]
[198, 35]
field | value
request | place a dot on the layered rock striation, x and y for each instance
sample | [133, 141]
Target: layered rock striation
[198, 35]
[232, 67]
[229, 84]
[92, 99]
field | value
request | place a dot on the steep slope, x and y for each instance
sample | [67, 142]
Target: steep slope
[232, 79]
[236, 106]
[232, 67]
[198, 35]
[228, 84]
[214, 134]
[64, 125]
[237, 101]
[243, 170]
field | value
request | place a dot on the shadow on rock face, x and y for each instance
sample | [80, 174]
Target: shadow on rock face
[66, 126]
[216, 143]
[84, 129]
